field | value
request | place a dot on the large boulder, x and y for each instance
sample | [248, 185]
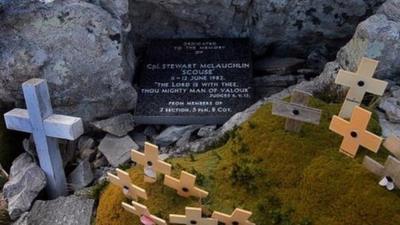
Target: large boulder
[72, 210]
[377, 38]
[286, 26]
[26, 182]
[78, 47]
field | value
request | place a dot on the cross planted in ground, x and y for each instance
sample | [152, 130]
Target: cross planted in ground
[45, 127]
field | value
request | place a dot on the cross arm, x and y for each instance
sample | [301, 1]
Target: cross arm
[56, 126]
[18, 119]
[179, 219]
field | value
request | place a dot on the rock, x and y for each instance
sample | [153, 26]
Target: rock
[85, 142]
[377, 38]
[388, 128]
[79, 48]
[206, 131]
[117, 8]
[271, 84]
[119, 125]
[81, 176]
[72, 210]
[174, 133]
[68, 150]
[317, 58]
[88, 154]
[139, 138]
[27, 180]
[100, 162]
[391, 107]
[117, 150]
[150, 131]
[184, 140]
[285, 27]
[278, 65]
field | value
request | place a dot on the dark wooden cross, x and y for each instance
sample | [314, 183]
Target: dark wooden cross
[296, 111]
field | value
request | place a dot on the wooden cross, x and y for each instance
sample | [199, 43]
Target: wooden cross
[124, 181]
[360, 83]
[45, 127]
[296, 111]
[141, 210]
[238, 217]
[151, 161]
[193, 217]
[392, 144]
[390, 169]
[355, 132]
[185, 186]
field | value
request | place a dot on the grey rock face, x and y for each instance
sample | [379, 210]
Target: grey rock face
[26, 182]
[391, 107]
[70, 210]
[81, 176]
[289, 26]
[117, 150]
[206, 131]
[377, 38]
[174, 133]
[119, 125]
[78, 47]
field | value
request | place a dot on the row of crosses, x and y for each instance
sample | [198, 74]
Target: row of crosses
[185, 187]
[354, 131]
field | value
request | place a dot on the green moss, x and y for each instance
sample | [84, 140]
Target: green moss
[283, 178]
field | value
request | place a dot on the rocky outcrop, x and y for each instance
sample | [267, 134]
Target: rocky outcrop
[26, 181]
[70, 210]
[376, 38]
[80, 49]
[286, 27]
[117, 150]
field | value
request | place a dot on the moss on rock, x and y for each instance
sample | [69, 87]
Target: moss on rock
[284, 178]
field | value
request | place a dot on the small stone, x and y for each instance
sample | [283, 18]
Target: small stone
[88, 154]
[139, 138]
[27, 180]
[81, 176]
[150, 131]
[85, 142]
[278, 66]
[71, 210]
[101, 162]
[119, 125]
[174, 133]
[117, 150]
[391, 106]
[184, 140]
[206, 131]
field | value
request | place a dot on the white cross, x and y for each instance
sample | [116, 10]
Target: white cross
[45, 127]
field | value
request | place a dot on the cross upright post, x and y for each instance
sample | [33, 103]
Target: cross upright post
[45, 127]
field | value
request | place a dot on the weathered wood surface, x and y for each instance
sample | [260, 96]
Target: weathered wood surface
[392, 144]
[296, 111]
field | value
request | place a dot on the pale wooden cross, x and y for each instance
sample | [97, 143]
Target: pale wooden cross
[141, 210]
[193, 217]
[390, 169]
[124, 181]
[185, 186]
[238, 217]
[355, 132]
[45, 127]
[360, 83]
[296, 111]
[392, 144]
[151, 161]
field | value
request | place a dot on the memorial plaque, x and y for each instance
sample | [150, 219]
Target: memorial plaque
[194, 81]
